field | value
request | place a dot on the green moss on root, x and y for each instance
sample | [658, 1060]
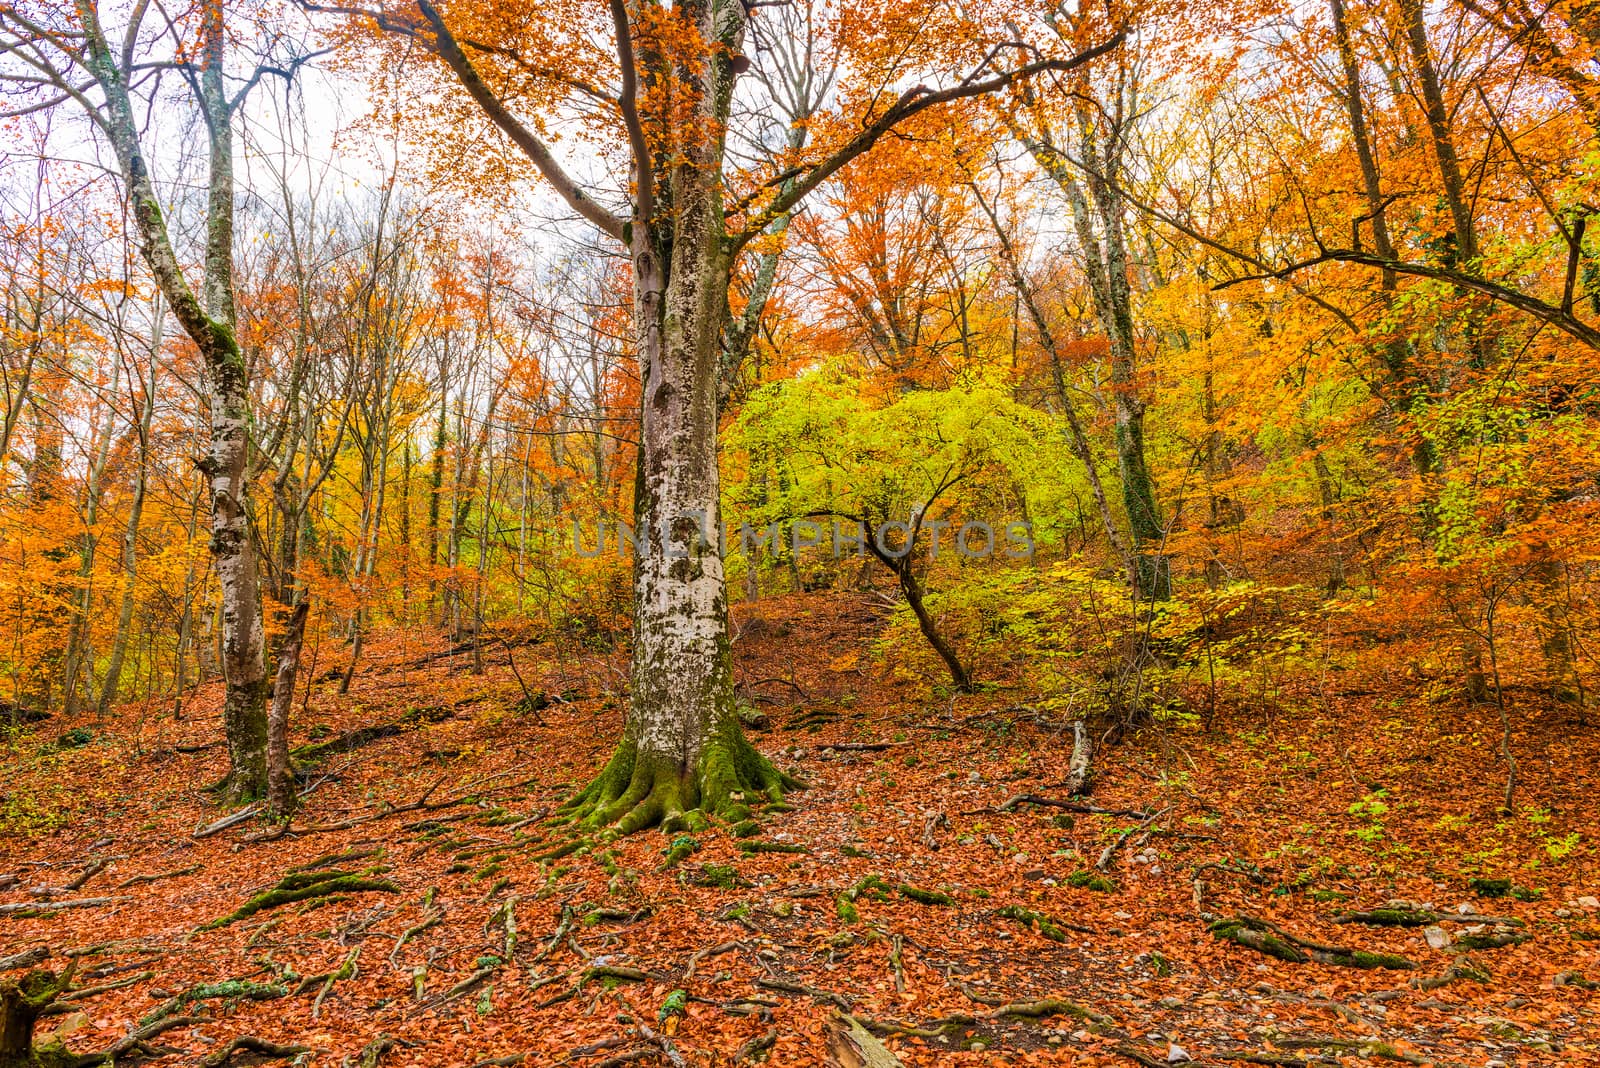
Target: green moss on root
[924, 897]
[637, 790]
[303, 887]
[230, 989]
[1048, 928]
[771, 847]
[1089, 880]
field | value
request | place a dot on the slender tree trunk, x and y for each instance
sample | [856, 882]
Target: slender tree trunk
[1077, 440]
[79, 659]
[436, 487]
[280, 776]
[913, 591]
[211, 325]
[1097, 221]
[1438, 115]
[1409, 391]
[130, 542]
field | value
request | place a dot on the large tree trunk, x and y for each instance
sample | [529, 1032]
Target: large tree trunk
[682, 747]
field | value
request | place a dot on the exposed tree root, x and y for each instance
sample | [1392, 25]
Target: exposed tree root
[877, 889]
[1047, 926]
[634, 791]
[809, 991]
[1010, 804]
[1394, 916]
[771, 847]
[301, 886]
[1274, 941]
[138, 1040]
[175, 873]
[228, 989]
[957, 1023]
[756, 1048]
[37, 908]
[250, 1044]
[26, 959]
[372, 1053]
[1461, 970]
[347, 970]
[1360, 1047]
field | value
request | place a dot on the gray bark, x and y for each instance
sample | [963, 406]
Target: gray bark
[211, 326]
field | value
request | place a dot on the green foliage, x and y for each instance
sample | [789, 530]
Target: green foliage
[76, 738]
[817, 446]
[676, 1004]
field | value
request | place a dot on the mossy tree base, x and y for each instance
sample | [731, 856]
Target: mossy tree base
[637, 790]
[22, 1002]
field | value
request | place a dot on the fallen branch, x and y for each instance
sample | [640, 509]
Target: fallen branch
[26, 959]
[1079, 766]
[53, 906]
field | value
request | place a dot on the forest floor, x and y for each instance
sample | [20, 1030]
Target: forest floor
[957, 932]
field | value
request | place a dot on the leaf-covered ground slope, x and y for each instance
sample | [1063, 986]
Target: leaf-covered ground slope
[1325, 883]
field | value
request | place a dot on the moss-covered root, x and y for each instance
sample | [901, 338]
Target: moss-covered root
[228, 990]
[302, 886]
[1274, 941]
[637, 790]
